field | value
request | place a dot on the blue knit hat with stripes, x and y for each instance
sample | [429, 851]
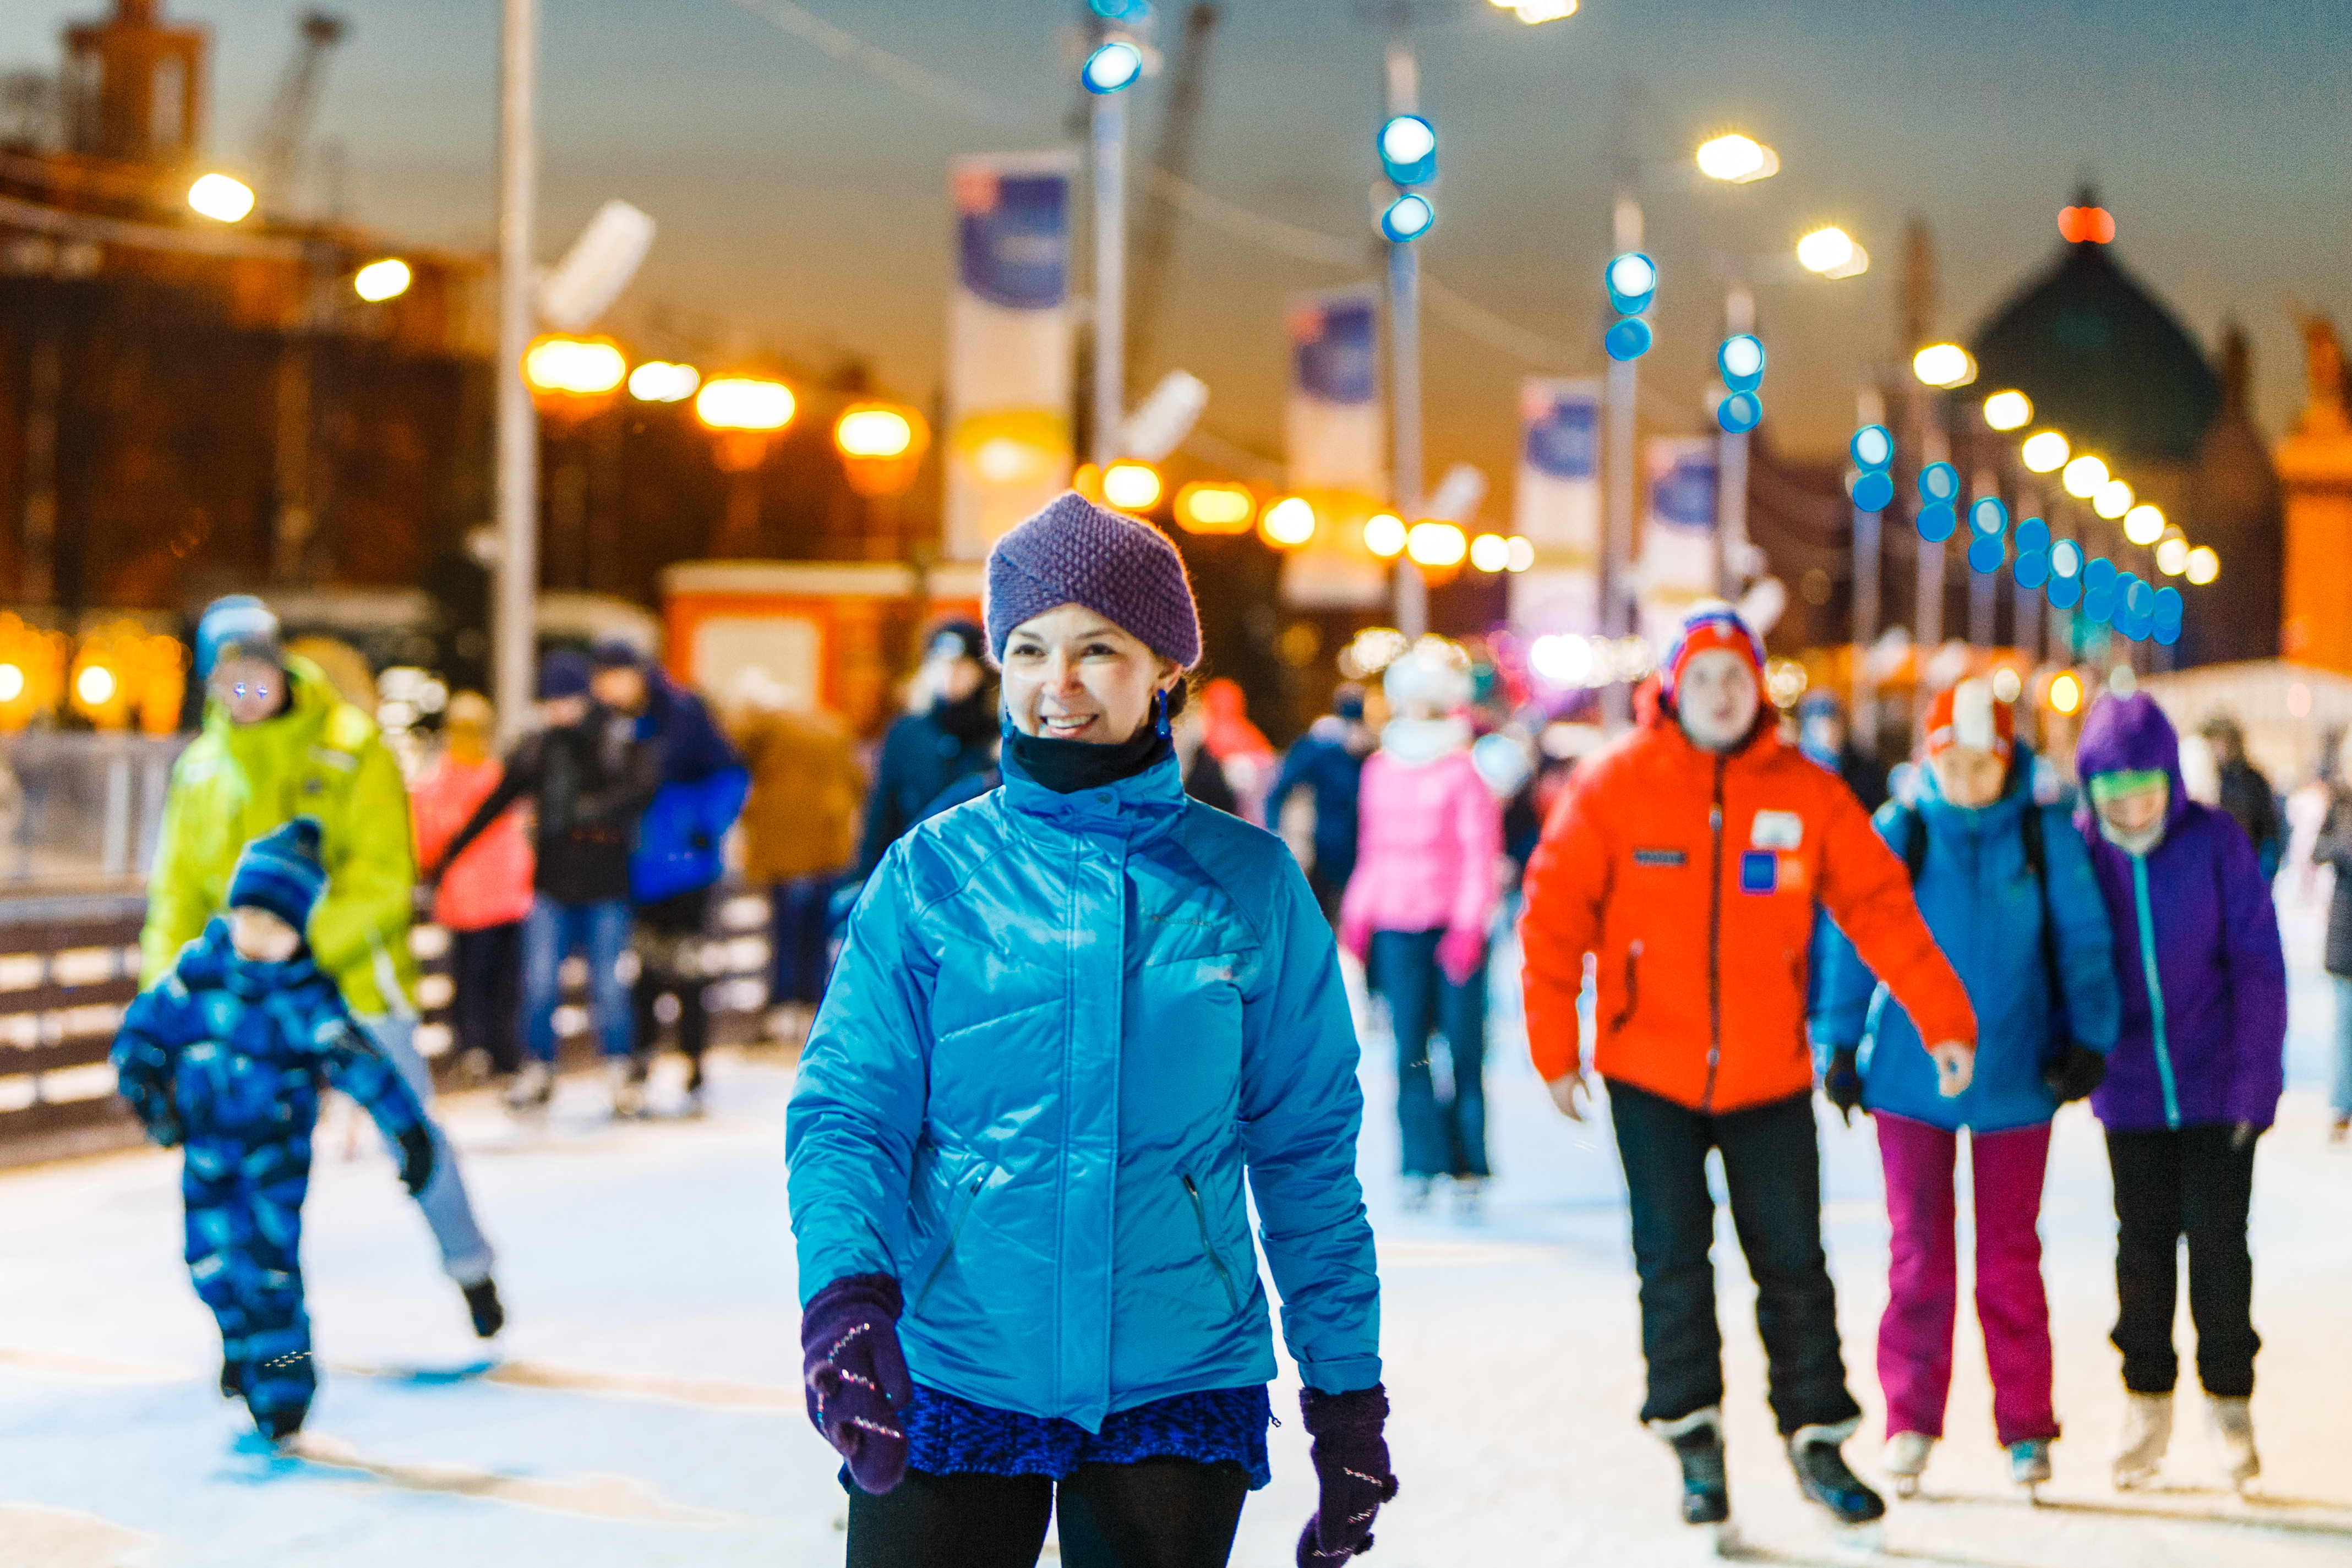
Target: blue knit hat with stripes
[280, 871]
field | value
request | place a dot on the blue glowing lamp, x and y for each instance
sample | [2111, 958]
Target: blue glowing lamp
[1408, 147]
[1987, 515]
[1940, 483]
[1114, 68]
[1872, 490]
[1986, 552]
[2032, 568]
[2099, 591]
[1937, 522]
[1739, 413]
[1407, 218]
[1872, 449]
[2168, 607]
[1628, 340]
[1632, 280]
[1741, 361]
[2034, 537]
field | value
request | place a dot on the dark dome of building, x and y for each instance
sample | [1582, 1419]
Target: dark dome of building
[2101, 359]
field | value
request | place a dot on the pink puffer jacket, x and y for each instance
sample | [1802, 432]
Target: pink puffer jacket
[1427, 839]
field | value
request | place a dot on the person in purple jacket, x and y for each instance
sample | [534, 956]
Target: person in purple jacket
[2194, 1079]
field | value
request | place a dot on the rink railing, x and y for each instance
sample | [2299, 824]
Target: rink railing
[69, 966]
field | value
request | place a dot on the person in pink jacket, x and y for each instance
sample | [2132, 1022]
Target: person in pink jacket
[1417, 910]
[484, 892]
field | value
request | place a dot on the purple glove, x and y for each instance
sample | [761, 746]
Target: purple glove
[856, 1379]
[1351, 1466]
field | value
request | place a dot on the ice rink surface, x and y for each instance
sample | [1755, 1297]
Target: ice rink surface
[644, 1406]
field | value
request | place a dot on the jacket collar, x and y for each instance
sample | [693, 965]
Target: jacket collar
[1142, 805]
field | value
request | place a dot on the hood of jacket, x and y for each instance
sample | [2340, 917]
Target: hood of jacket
[2131, 734]
[1418, 742]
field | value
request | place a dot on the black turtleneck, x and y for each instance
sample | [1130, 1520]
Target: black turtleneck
[1066, 766]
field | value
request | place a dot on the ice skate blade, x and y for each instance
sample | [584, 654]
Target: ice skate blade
[1858, 1542]
[1724, 1539]
[1903, 1487]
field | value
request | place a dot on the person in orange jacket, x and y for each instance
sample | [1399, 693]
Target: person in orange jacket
[1687, 860]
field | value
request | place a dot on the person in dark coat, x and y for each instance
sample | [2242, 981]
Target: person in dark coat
[590, 778]
[1822, 735]
[2332, 847]
[1328, 761]
[678, 860]
[2246, 793]
[923, 753]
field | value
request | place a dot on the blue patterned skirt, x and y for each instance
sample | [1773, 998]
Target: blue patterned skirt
[946, 1435]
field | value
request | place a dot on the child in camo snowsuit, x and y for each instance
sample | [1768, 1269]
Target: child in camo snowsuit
[226, 1056]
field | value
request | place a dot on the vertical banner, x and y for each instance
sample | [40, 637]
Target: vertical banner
[1009, 347]
[1556, 506]
[1678, 567]
[1331, 430]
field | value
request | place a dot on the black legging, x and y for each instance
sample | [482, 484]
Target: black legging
[1154, 1513]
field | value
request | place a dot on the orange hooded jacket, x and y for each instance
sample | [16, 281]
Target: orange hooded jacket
[1691, 879]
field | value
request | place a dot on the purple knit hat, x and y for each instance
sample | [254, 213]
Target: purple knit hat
[1075, 552]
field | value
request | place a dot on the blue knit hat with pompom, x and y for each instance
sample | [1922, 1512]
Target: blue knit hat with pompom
[280, 871]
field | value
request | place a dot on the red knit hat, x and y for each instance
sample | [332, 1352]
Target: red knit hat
[1711, 623]
[1970, 714]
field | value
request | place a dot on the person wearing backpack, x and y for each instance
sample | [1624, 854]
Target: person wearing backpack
[2006, 886]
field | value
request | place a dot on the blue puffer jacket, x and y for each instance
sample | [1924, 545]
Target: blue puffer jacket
[1977, 892]
[1063, 1029]
[681, 835]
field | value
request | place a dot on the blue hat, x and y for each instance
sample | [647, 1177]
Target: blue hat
[237, 624]
[564, 674]
[280, 871]
[1121, 568]
[614, 654]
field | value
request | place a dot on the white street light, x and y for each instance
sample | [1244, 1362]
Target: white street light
[2083, 476]
[2142, 525]
[660, 381]
[2008, 410]
[2172, 556]
[1113, 68]
[2045, 451]
[1532, 12]
[381, 281]
[1738, 159]
[1944, 365]
[2204, 565]
[1832, 253]
[221, 198]
[2113, 500]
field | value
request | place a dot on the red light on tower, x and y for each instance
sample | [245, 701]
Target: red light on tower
[2086, 225]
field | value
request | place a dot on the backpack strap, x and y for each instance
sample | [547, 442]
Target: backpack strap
[2037, 861]
[1914, 842]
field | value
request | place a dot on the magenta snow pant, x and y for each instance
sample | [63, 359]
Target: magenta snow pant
[1923, 1276]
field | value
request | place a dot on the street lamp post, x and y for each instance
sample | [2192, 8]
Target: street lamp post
[1870, 409]
[515, 596]
[1405, 364]
[1617, 544]
[1110, 274]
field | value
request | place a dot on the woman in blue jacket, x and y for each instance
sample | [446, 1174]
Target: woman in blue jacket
[1070, 1019]
[2006, 886]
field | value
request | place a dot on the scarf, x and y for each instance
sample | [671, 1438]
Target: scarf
[1066, 766]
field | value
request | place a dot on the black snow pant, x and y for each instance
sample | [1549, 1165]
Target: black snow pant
[2192, 1183]
[1772, 1165]
[487, 966]
[667, 938]
[1154, 1513]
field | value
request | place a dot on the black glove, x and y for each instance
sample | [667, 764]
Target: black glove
[2076, 1074]
[415, 1159]
[1843, 1084]
[1351, 1472]
[166, 1129]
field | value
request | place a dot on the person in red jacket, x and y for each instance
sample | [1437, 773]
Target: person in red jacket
[1687, 860]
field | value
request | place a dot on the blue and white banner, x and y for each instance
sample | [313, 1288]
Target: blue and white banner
[1010, 346]
[1677, 562]
[1332, 447]
[1556, 506]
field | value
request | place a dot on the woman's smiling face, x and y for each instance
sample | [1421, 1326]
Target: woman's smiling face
[1070, 674]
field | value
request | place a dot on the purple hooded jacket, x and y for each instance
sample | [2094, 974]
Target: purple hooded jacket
[2208, 1042]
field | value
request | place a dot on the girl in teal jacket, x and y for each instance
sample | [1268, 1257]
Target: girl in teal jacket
[1072, 1018]
[2005, 884]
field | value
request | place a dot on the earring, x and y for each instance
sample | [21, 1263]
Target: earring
[1160, 714]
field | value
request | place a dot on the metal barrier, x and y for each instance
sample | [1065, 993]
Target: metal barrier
[78, 808]
[70, 966]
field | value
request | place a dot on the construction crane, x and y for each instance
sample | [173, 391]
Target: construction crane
[278, 146]
[1155, 241]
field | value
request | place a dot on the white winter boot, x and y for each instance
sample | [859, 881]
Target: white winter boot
[628, 1079]
[533, 1087]
[2231, 1422]
[2147, 1432]
[1905, 1461]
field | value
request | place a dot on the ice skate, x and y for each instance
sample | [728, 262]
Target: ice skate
[533, 1087]
[1417, 1191]
[232, 1383]
[2028, 1464]
[1905, 1461]
[628, 1079]
[2231, 1423]
[2147, 1432]
[482, 1305]
[1470, 1199]
[1824, 1478]
[1697, 1442]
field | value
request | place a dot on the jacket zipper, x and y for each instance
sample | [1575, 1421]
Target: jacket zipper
[2146, 922]
[1632, 987]
[954, 1231]
[1200, 1218]
[1714, 942]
